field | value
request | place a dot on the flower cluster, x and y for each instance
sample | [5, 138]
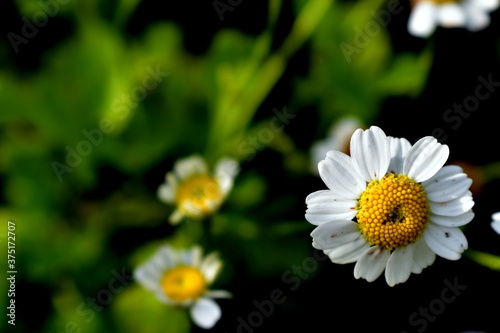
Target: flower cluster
[426, 15]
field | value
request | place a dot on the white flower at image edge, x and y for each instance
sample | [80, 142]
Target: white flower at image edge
[196, 192]
[181, 278]
[426, 15]
[390, 206]
[495, 223]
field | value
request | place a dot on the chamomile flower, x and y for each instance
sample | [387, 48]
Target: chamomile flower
[181, 278]
[390, 206]
[426, 15]
[196, 192]
[495, 223]
[337, 139]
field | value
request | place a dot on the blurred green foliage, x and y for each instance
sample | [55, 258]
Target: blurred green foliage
[97, 87]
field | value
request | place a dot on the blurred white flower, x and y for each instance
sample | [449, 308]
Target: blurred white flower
[181, 278]
[196, 192]
[495, 223]
[338, 139]
[390, 206]
[426, 15]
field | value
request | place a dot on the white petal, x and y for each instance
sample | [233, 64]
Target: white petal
[371, 264]
[422, 20]
[452, 221]
[453, 207]
[448, 184]
[370, 153]
[348, 252]
[165, 257]
[176, 217]
[324, 213]
[495, 216]
[488, 5]
[167, 193]
[398, 147]
[495, 224]
[451, 15]
[332, 234]
[189, 166]
[425, 158]
[161, 261]
[205, 313]
[477, 19]
[338, 174]
[423, 256]
[448, 243]
[148, 276]
[225, 172]
[399, 266]
[320, 197]
[323, 207]
[151, 272]
[192, 256]
[210, 267]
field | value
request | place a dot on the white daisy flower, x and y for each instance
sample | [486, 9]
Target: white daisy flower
[495, 223]
[426, 15]
[390, 206]
[337, 139]
[181, 278]
[195, 191]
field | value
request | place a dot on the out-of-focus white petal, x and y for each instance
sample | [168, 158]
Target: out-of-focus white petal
[422, 21]
[225, 172]
[189, 166]
[495, 224]
[205, 313]
[452, 15]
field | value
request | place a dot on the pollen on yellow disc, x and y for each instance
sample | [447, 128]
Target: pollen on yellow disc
[393, 212]
[183, 283]
[201, 191]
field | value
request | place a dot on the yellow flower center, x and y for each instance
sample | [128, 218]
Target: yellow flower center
[393, 212]
[183, 283]
[201, 191]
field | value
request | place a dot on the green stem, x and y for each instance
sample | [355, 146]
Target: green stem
[486, 259]
[262, 72]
